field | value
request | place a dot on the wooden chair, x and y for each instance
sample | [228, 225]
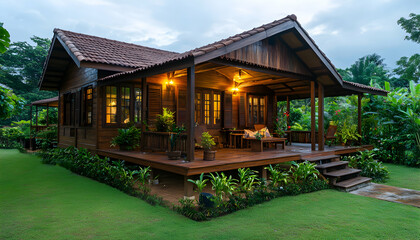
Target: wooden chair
[197, 136]
[330, 134]
[258, 127]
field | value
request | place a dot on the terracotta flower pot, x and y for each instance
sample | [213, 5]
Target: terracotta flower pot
[209, 155]
[174, 155]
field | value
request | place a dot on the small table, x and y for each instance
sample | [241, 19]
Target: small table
[233, 137]
[257, 145]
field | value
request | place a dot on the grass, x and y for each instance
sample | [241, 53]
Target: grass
[403, 176]
[48, 202]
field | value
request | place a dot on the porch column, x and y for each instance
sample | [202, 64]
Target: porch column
[313, 138]
[288, 110]
[36, 117]
[320, 117]
[143, 109]
[190, 112]
[48, 114]
[30, 128]
[359, 115]
[188, 188]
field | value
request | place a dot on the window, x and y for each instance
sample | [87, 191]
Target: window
[87, 106]
[198, 108]
[256, 110]
[69, 110]
[123, 104]
[216, 108]
[208, 107]
[137, 105]
[111, 104]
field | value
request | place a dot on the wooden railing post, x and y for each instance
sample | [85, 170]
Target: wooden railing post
[359, 116]
[143, 111]
[313, 138]
[190, 112]
[320, 117]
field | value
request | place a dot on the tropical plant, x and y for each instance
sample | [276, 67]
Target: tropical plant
[248, 179]
[370, 167]
[143, 174]
[4, 39]
[175, 134]
[277, 177]
[199, 183]
[222, 185]
[280, 121]
[207, 141]
[347, 133]
[165, 121]
[127, 138]
[303, 172]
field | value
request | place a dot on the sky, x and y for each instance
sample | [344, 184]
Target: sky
[344, 29]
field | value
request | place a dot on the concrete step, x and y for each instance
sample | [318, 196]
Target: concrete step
[353, 183]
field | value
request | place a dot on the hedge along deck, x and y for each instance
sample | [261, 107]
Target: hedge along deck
[226, 159]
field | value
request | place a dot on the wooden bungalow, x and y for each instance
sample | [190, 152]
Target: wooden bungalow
[233, 83]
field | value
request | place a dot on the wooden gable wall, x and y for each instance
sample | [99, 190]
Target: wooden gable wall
[271, 52]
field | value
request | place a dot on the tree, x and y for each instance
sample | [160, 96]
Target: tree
[21, 68]
[367, 69]
[411, 26]
[10, 104]
[408, 70]
[4, 39]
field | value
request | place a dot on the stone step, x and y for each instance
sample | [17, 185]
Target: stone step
[353, 182]
[322, 158]
[342, 172]
[331, 165]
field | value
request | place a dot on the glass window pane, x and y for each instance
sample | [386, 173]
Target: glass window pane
[216, 108]
[207, 108]
[198, 103]
[111, 104]
[125, 104]
[137, 105]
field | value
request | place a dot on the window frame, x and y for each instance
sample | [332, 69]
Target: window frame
[85, 104]
[250, 109]
[132, 102]
[211, 92]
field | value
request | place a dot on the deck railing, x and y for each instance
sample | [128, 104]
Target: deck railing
[160, 142]
[302, 136]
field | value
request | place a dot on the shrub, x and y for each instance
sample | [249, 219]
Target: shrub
[10, 137]
[47, 138]
[165, 121]
[370, 167]
[207, 141]
[127, 138]
[303, 172]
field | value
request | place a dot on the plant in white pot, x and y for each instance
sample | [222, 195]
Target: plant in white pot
[207, 142]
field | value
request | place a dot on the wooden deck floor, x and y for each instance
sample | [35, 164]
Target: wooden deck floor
[226, 159]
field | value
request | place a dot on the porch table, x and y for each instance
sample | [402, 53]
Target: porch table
[257, 145]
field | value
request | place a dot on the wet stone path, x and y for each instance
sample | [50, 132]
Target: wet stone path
[390, 193]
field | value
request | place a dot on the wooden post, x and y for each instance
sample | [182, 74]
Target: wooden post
[320, 117]
[30, 128]
[188, 188]
[36, 117]
[190, 112]
[48, 114]
[288, 110]
[313, 139]
[143, 109]
[263, 172]
[359, 115]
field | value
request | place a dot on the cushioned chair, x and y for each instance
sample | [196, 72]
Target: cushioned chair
[258, 127]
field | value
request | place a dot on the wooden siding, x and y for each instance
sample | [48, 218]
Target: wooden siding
[271, 52]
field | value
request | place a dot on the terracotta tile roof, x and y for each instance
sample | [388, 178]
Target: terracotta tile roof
[359, 85]
[101, 50]
[210, 47]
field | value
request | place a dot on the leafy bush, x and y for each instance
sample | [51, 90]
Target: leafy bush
[207, 141]
[303, 172]
[165, 121]
[127, 138]
[232, 195]
[47, 138]
[11, 137]
[370, 167]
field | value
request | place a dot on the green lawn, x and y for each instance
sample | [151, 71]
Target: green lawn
[402, 176]
[48, 202]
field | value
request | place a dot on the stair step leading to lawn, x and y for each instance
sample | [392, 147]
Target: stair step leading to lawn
[331, 164]
[322, 158]
[350, 184]
[342, 172]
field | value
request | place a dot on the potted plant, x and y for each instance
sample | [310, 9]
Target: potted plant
[165, 121]
[173, 138]
[127, 138]
[207, 142]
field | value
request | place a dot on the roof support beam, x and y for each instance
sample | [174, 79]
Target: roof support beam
[190, 113]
